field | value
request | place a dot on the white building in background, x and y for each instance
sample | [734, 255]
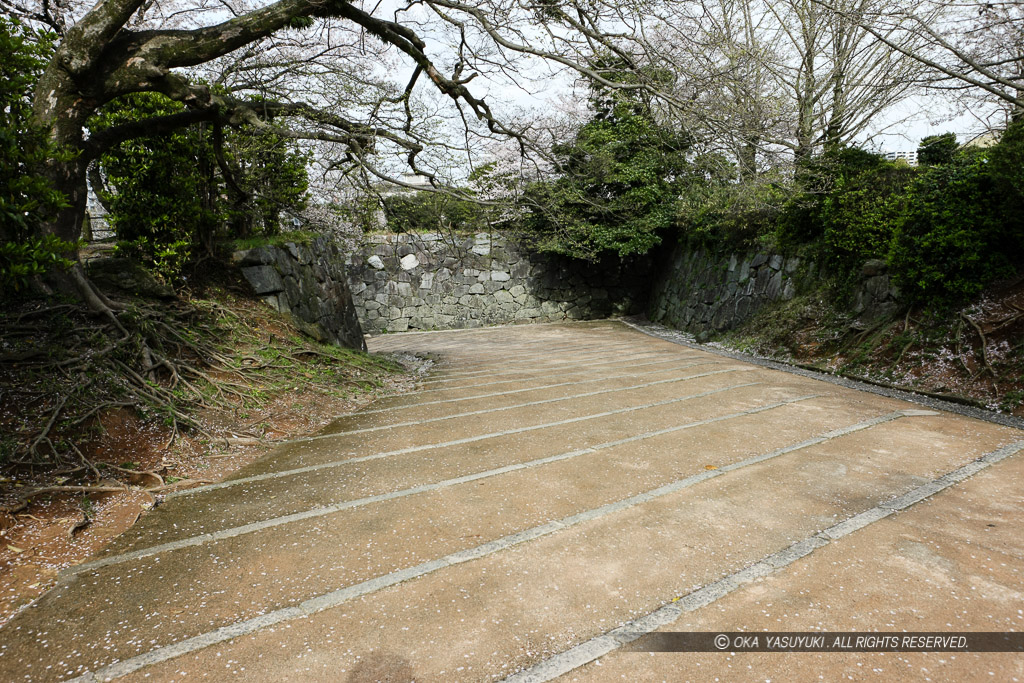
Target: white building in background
[97, 216]
[909, 157]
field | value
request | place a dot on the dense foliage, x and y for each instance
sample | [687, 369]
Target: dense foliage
[269, 178]
[947, 228]
[618, 182]
[937, 149]
[955, 233]
[26, 196]
[169, 194]
[858, 215]
[162, 192]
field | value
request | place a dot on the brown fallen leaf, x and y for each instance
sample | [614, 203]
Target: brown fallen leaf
[710, 467]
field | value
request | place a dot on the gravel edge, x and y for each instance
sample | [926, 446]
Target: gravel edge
[683, 339]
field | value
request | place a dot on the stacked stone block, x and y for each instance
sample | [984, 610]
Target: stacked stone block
[309, 283]
[701, 291]
[433, 282]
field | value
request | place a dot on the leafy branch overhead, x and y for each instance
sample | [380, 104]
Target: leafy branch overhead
[172, 192]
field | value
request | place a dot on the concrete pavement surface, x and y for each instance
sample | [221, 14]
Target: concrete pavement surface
[546, 497]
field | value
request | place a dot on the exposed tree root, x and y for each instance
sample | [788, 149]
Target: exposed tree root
[65, 367]
[26, 499]
[984, 347]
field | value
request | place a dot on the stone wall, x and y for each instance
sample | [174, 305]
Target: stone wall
[702, 291]
[432, 281]
[310, 284]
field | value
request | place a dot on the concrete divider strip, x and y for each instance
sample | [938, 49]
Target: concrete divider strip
[484, 411]
[601, 645]
[232, 532]
[511, 361]
[446, 444]
[570, 659]
[514, 360]
[617, 362]
[521, 390]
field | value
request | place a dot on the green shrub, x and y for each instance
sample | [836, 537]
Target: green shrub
[26, 196]
[169, 195]
[859, 214]
[163, 193]
[802, 217]
[937, 149]
[31, 257]
[953, 236]
[731, 214]
[1006, 166]
[618, 184]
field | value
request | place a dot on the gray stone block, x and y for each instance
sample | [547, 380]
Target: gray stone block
[878, 286]
[526, 313]
[789, 290]
[263, 279]
[549, 307]
[874, 267]
[254, 257]
[481, 245]
[774, 288]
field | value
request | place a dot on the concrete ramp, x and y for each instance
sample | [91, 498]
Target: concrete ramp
[545, 501]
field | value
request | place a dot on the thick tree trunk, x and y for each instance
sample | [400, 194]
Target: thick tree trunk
[62, 111]
[805, 110]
